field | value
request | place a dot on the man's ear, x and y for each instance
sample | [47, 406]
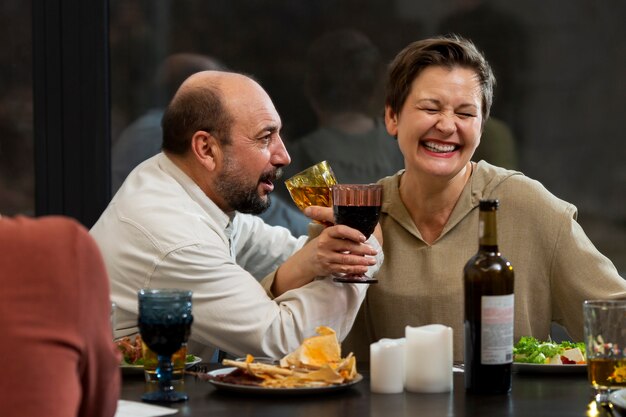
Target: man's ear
[391, 121]
[206, 149]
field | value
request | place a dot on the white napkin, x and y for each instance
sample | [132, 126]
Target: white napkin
[138, 409]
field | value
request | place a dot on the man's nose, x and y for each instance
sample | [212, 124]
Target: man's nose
[280, 156]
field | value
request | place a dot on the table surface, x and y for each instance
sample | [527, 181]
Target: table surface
[532, 395]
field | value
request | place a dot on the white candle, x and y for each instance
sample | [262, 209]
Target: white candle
[387, 366]
[428, 362]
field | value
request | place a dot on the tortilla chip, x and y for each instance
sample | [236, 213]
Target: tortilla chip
[325, 374]
[315, 351]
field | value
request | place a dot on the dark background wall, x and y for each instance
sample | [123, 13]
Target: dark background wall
[560, 67]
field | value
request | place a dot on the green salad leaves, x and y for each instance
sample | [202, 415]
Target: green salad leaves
[531, 350]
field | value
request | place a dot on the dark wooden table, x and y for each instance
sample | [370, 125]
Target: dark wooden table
[533, 395]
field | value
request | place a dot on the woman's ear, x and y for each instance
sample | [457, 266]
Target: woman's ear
[391, 121]
[206, 149]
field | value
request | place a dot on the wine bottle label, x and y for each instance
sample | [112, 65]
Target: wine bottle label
[497, 329]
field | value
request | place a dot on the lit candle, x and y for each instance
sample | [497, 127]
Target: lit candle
[428, 362]
[387, 366]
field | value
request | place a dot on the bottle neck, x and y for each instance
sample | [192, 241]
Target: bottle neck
[488, 231]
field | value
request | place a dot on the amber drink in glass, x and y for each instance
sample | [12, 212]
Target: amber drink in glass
[311, 187]
[605, 340]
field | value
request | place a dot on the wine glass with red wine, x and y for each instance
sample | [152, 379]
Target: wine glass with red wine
[164, 324]
[357, 206]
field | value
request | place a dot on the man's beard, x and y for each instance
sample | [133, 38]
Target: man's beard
[239, 193]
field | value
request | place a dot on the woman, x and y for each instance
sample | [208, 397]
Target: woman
[439, 93]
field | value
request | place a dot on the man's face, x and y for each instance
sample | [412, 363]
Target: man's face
[251, 162]
[240, 191]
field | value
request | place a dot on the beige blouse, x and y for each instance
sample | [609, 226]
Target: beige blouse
[556, 265]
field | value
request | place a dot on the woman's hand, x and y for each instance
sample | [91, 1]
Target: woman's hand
[338, 249]
[321, 214]
[325, 215]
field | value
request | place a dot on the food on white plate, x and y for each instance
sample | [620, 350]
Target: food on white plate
[317, 362]
[132, 351]
[531, 350]
[568, 357]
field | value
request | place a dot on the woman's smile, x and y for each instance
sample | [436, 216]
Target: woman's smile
[439, 149]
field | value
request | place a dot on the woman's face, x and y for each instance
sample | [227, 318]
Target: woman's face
[439, 125]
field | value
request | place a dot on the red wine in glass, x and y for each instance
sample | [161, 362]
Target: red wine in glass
[357, 206]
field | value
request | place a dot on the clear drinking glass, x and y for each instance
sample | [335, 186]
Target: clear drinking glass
[605, 338]
[357, 206]
[311, 187]
[164, 324]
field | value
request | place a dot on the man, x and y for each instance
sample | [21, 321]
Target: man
[181, 219]
[142, 138]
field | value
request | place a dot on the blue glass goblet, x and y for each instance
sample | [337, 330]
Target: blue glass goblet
[164, 324]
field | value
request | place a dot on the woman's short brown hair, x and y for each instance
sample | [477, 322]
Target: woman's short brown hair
[443, 51]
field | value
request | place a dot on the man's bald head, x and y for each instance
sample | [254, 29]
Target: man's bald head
[197, 105]
[205, 101]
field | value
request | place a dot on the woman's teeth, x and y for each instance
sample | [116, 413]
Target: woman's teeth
[438, 147]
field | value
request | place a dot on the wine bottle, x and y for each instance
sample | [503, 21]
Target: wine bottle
[488, 281]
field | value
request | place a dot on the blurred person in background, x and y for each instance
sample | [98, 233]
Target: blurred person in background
[55, 316]
[343, 84]
[498, 145]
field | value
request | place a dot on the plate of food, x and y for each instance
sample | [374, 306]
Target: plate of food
[314, 367]
[132, 355]
[234, 379]
[532, 355]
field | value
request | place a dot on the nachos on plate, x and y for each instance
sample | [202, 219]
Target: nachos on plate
[317, 362]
